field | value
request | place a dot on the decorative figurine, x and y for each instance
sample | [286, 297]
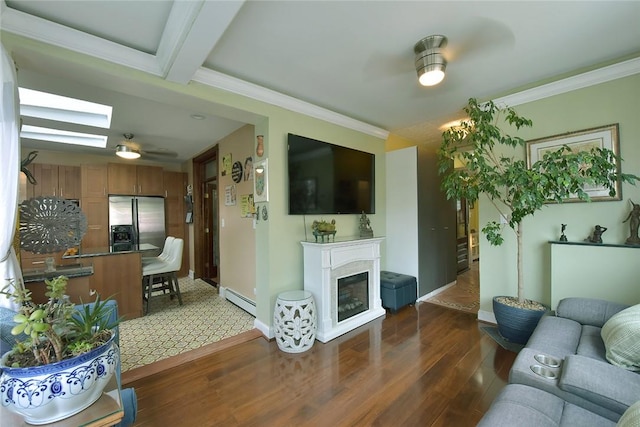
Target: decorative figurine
[323, 228]
[260, 145]
[597, 234]
[634, 216]
[563, 238]
[365, 226]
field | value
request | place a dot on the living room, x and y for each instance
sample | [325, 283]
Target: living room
[598, 272]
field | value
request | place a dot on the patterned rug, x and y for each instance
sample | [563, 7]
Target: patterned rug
[464, 295]
[171, 329]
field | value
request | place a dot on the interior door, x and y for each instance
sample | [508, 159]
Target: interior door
[211, 234]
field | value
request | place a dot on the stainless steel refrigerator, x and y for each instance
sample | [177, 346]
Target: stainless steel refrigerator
[144, 213]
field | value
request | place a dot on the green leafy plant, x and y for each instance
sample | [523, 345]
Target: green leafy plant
[515, 190]
[57, 329]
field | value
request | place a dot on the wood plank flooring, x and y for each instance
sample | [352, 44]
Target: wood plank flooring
[426, 365]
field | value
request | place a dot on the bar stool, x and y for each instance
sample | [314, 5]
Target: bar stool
[166, 270]
[163, 255]
[295, 321]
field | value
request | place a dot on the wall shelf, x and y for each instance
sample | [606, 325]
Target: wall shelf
[610, 245]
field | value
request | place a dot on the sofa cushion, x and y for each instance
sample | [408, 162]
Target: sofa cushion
[591, 344]
[519, 405]
[621, 336]
[588, 311]
[601, 383]
[556, 336]
[631, 417]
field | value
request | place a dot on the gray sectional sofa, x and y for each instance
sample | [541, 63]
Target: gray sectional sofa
[565, 374]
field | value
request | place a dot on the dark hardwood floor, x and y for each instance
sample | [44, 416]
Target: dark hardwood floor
[426, 365]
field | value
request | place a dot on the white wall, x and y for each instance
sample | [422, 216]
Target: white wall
[402, 211]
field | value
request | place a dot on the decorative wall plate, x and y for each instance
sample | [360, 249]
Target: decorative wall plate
[50, 224]
[236, 172]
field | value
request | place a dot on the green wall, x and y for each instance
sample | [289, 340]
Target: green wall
[617, 101]
[278, 249]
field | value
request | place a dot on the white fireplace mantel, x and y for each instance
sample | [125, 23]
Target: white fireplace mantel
[324, 264]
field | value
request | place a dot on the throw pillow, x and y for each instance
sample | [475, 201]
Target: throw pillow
[631, 417]
[621, 336]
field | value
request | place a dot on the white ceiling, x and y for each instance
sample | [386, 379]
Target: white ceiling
[353, 58]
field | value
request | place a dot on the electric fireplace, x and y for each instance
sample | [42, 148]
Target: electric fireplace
[344, 277]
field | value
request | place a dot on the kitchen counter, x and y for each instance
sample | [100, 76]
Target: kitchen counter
[108, 250]
[70, 271]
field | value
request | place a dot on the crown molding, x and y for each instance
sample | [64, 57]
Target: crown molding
[32, 27]
[240, 87]
[580, 81]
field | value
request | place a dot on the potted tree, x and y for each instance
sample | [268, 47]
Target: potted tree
[63, 358]
[515, 190]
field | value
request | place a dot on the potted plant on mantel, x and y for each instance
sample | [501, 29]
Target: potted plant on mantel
[515, 190]
[63, 358]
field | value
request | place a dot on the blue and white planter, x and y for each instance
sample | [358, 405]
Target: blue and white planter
[49, 393]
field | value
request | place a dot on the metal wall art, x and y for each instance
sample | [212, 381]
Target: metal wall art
[50, 224]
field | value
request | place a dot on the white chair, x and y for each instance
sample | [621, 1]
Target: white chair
[146, 260]
[166, 271]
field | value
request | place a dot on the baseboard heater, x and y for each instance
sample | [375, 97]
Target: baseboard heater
[241, 301]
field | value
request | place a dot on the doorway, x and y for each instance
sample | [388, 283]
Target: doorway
[206, 232]
[462, 235]
[211, 233]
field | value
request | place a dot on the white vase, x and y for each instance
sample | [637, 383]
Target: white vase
[49, 393]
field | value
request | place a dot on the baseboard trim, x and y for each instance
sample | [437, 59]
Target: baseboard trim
[487, 316]
[437, 291]
[160, 366]
[239, 300]
[264, 328]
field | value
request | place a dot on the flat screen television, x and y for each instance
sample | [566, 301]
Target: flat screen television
[326, 178]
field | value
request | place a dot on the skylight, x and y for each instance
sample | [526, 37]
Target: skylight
[56, 108]
[63, 136]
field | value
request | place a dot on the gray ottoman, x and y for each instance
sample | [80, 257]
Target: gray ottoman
[397, 290]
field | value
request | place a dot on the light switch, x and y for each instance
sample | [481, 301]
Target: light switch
[222, 223]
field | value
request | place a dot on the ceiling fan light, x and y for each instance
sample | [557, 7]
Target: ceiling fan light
[126, 152]
[431, 77]
[430, 64]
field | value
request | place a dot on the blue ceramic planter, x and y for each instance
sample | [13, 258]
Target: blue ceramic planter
[515, 324]
[49, 393]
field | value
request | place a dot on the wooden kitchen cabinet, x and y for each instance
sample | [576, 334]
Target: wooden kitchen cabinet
[95, 205]
[175, 189]
[78, 289]
[54, 180]
[93, 180]
[96, 209]
[119, 276]
[29, 260]
[135, 180]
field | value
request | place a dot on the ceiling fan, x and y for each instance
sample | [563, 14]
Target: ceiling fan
[129, 149]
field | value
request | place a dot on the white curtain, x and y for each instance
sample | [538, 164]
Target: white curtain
[9, 176]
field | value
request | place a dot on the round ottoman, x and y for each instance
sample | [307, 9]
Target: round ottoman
[294, 321]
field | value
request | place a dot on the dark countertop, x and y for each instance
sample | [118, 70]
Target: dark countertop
[108, 250]
[70, 271]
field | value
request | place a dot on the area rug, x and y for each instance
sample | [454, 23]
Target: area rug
[492, 331]
[464, 295]
[170, 329]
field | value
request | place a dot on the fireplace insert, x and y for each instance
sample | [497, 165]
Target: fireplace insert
[353, 295]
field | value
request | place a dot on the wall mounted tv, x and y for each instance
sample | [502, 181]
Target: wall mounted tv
[329, 179]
